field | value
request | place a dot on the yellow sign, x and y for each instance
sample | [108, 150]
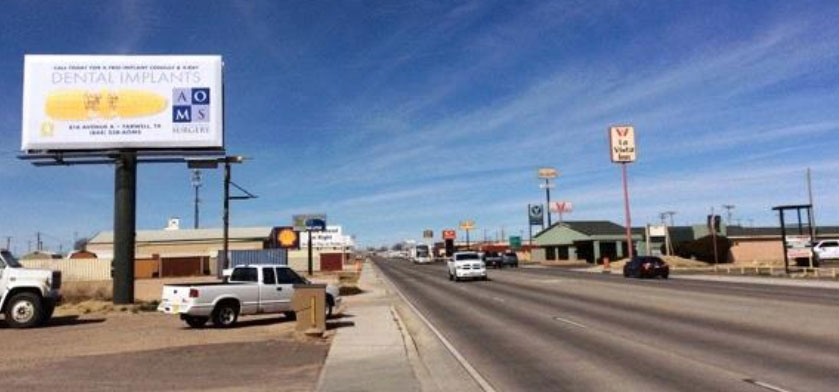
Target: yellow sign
[548, 172]
[467, 225]
[287, 238]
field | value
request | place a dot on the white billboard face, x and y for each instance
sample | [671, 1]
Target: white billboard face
[113, 102]
[622, 144]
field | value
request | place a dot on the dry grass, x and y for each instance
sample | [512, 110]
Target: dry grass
[77, 292]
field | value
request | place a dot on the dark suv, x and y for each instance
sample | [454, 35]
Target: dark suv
[493, 260]
[646, 267]
[510, 259]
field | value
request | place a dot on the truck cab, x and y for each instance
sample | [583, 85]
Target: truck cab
[27, 296]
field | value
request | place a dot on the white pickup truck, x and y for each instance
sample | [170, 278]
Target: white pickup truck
[27, 296]
[249, 289]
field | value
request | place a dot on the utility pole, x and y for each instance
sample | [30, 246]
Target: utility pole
[728, 208]
[713, 228]
[38, 244]
[814, 227]
[9, 243]
[196, 184]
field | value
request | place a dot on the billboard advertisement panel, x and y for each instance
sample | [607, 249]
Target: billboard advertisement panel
[91, 102]
[622, 144]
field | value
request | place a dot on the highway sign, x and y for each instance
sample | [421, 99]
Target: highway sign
[449, 234]
[622, 143]
[515, 242]
[537, 215]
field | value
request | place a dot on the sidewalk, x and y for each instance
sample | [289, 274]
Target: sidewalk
[824, 284]
[369, 351]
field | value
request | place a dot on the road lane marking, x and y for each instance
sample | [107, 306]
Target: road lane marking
[499, 299]
[765, 385]
[565, 320]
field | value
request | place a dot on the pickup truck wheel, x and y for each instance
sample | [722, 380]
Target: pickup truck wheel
[49, 308]
[196, 321]
[225, 314]
[24, 310]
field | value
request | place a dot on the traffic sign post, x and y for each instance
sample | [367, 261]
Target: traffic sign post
[622, 150]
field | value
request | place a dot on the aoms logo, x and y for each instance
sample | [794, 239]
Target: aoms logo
[191, 105]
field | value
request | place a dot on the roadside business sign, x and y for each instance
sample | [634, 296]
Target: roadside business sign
[428, 233]
[799, 246]
[536, 214]
[467, 225]
[562, 207]
[286, 237]
[93, 102]
[449, 234]
[313, 222]
[656, 230]
[515, 242]
[547, 173]
[622, 144]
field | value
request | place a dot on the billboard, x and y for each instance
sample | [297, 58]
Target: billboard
[562, 207]
[467, 225]
[89, 102]
[314, 222]
[622, 144]
[428, 233]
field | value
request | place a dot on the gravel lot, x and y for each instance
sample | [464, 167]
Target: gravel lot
[154, 352]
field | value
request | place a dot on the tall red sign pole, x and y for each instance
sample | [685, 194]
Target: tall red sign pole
[622, 150]
[626, 210]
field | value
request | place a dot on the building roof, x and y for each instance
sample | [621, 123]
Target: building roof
[589, 227]
[235, 233]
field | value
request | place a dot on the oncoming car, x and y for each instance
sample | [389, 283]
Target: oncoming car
[646, 267]
[466, 265]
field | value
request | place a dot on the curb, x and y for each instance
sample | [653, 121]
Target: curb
[480, 380]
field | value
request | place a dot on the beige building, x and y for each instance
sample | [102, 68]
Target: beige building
[188, 252]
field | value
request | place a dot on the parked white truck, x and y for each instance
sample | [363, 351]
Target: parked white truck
[249, 289]
[27, 296]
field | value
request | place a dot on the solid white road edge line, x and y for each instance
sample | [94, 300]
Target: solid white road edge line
[482, 382]
[765, 385]
[564, 320]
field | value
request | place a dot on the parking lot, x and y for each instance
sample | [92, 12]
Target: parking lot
[153, 352]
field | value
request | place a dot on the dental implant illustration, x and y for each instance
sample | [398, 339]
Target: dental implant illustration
[88, 105]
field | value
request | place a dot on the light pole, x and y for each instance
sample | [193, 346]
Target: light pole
[196, 183]
[212, 164]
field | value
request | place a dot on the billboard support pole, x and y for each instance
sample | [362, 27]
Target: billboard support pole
[125, 214]
[226, 215]
[309, 232]
[626, 211]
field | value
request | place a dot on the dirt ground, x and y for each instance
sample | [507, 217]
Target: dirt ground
[154, 352]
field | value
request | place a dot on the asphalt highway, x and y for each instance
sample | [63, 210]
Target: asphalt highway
[531, 329]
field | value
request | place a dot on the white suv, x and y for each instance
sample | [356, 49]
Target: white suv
[466, 265]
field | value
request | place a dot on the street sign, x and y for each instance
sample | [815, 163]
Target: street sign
[428, 233]
[286, 237]
[515, 242]
[547, 173]
[622, 144]
[449, 234]
[313, 222]
[467, 225]
[562, 207]
[537, 215]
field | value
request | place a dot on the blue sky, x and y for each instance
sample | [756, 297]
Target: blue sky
[395, 117]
